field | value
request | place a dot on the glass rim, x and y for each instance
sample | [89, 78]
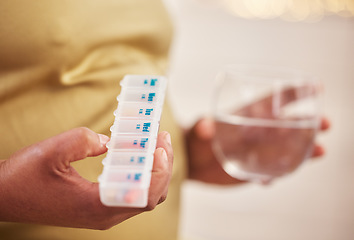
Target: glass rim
[274, 74]
[312, 122]
[301, 78]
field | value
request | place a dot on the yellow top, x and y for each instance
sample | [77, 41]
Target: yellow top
[60, 66]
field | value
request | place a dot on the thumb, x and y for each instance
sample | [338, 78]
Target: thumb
[77, 144]
[204, 129]
[70, 146]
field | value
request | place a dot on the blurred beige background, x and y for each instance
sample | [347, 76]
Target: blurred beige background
[317, 201]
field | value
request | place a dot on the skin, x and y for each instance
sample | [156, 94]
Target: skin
[42, 187]
[204, 166]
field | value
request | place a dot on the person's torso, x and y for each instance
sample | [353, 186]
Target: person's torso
[60, 66]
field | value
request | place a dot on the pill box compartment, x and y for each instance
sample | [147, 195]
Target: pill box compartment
[140, 95]
[122, 142]
[137, 110]
[112, 195]
[135, 126]
[138, 81]
[126, 177]
[124, 160]
[124, 187]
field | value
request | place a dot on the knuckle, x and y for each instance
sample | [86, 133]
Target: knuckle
[153, 202]
[163, 198]
[151, 205]
[83, 132]
[40, 152]
[85, 135]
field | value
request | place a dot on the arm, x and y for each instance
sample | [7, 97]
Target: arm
[38, 184]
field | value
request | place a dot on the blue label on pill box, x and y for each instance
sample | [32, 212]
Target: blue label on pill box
[150, 82]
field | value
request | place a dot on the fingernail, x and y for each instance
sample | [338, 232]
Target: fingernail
[103, 139]
[164, 155]
[168, 138]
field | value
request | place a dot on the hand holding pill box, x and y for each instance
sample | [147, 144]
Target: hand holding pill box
[126, 175]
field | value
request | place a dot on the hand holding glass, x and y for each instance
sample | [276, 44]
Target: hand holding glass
[266, 120]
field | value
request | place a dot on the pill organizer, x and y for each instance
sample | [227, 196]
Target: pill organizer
[126, 175]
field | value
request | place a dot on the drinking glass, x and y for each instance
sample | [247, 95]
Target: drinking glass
[266, 120]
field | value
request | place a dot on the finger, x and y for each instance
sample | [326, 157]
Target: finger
[73, 145]
[161, 172]
[164, 141]
[205, 129]
[159, 178]
[325, 124]
[318, 151]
